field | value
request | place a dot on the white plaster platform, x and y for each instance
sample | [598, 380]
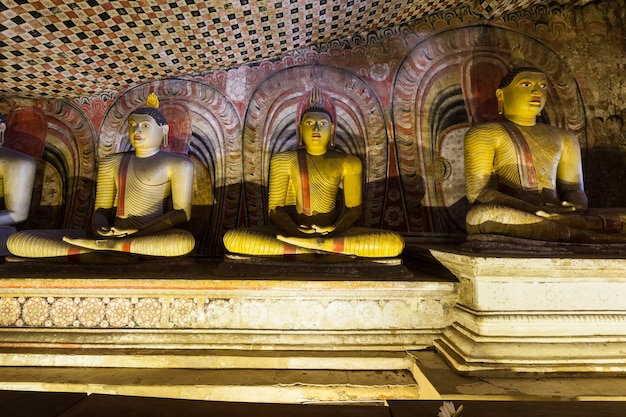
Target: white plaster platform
[288, 331]
[534, 313]
[200, 304]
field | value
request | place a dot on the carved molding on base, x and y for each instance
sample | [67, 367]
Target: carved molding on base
[193, 307]
[536, 314]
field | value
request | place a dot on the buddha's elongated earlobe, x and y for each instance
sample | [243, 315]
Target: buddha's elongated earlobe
[166, 130]
[500, 101]
[3, 128]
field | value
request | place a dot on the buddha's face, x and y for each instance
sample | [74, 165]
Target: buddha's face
[525, 96]
[316, 130]
[144, 132]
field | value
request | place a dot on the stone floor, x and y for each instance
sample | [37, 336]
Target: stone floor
[514, 396]
[447, 385]
[54, 404]
[37, 404]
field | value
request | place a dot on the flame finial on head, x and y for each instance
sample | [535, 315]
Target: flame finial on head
[152, 104]
[152, 101]
[316, 101]
[319, 102]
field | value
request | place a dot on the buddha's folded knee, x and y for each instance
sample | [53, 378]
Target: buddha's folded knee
[41, 243]
[499, 214]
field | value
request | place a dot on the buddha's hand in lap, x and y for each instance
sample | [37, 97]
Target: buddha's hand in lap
[553, 212]
[315, 230]
[113, 232]
[110, 235]
[547, 215]
[95, 244]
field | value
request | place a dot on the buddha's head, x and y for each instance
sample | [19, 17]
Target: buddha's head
[316, 116]
[147, 127]
[522, 93]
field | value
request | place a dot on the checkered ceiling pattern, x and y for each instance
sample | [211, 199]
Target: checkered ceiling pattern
[58, 49]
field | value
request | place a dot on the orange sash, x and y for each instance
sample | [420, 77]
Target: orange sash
[122, 174]
[304, 182]
[525, 164]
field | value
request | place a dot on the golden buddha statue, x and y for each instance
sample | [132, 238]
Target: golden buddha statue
[17, 177]
[304, 186]
[524, 179]
[132, 212]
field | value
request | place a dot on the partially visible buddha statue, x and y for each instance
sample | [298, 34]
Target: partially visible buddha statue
[524, 179]
[315, 197]
[17, 177]
[140, 197]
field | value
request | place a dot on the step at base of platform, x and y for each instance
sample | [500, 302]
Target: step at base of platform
[237, 385]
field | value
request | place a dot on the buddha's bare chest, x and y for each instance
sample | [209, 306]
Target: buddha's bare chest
[543, 152]
[145, 170]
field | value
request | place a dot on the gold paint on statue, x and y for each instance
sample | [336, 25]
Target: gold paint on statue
[303, 188]
[524, 179]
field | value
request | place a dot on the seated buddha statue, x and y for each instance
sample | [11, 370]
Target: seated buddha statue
[17, 177]
[524, 179]
[314, 197]
[140, 197]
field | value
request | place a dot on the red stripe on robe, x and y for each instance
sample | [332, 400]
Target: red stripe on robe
[526, 166]
[123, 173]
[304, 182]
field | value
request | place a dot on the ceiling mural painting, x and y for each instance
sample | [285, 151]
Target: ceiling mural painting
[57, 49]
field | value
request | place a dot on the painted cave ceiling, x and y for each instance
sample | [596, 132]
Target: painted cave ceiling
[58, 49]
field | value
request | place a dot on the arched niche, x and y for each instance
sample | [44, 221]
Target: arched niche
[270, 127]
[62, 140]
[445, 84]
[205, 126]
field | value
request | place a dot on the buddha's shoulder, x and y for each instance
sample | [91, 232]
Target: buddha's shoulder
[487, 127]
[113, 158]
[553, 129]
[176, 159]
[285, 156]
[488, 132]
[9, 155]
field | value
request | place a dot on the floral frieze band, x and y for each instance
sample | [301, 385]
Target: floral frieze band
[95, 312]
[137, 312]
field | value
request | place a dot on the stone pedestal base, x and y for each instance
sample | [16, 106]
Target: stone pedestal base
[536, 314]
[200, 304]
[213, 329]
